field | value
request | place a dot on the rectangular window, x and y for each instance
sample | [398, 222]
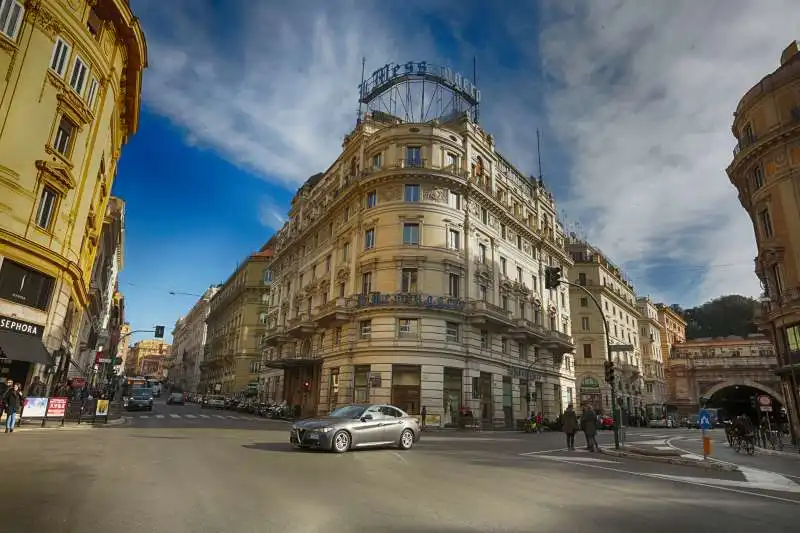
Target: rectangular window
[408, 283]
[503, 266]
[346, 251]
[47, 208]
[366, 283]
[346, 214]
[337, 336]
[484, 215]
[485, 340]
[407, 327]
[58, 63]
[377, 162]
[504, 302]
[365, 329]
[758, 177]
[369, 239]
[452, 331]
[585, 323]
[482, 292]
[482, 253]
[535, 282]
[10, 18]
[64, 135]
[411, 193]
[519, 274]
[504, 345]
[455, 200]
[453, 284]
[78, 79]
[372, 199]
[341, 290]
[411, 234]
[24, 285]
[503, 231]
[454, 239]
[93, 23]
[452, 161]
[582, 279]
[328, 264]
[584, 302]
[413, 156]
[766, 223]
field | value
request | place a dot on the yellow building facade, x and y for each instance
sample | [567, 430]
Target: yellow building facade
[764, 170]
[672, 327]
[653, 367]
[235, 325]
[147, 357]
[616, 295]
[69, 100]
[411, 272]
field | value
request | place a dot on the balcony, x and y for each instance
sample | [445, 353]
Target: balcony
[527, 330]
[558, 342]
[292, 359]
[301, 326]
[489, 316]
[275, 336]
[334, 313]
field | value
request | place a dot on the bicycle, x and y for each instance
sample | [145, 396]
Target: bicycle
[744, 442]
[774, 440]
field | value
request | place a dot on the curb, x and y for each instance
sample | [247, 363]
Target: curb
[73, 426]
[777, 453]
[675, 460]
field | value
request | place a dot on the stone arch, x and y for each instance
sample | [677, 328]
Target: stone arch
[745, 383]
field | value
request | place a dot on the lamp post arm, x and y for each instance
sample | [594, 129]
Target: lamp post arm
[614, 408]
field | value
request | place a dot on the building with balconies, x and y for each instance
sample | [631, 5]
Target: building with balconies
[148, 357]
[411, 272]
[188, 340]
[235, 324]
[655, 382]
[607, 285]
[730, 372]
[764, 170]
[69, 99]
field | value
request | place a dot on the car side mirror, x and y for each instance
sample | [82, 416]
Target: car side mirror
[366, 417]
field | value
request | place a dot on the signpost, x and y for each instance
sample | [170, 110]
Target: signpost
[705, 425]
[765, 404]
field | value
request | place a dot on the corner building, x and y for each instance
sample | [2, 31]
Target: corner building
[764, 170]
[411, 272]
[69, 100]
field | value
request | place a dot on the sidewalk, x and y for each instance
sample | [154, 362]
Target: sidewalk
[661, 452]
[36, 425]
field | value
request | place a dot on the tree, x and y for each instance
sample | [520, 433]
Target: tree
[720, 317]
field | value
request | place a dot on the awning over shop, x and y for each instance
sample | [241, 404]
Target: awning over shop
[20, 347]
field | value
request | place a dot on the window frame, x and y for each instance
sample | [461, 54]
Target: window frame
[83, 76]
[53, 208]
[12, 32]
[70, 143]
[411, 225]
[64, 60]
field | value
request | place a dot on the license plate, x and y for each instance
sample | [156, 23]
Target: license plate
[313, 436]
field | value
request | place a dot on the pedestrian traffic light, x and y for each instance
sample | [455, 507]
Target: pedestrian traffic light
[307, 385]
[552, 277]
[609, 372]
[159, 332]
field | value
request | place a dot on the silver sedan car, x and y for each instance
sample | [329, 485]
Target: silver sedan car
[357, 426]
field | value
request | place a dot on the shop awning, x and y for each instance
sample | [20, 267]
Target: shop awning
[19, 347]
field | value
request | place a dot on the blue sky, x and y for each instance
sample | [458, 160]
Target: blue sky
[243, 100]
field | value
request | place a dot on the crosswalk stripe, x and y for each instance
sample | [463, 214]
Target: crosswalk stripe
[190, 416]
[218, 416]
[159, 416]
[144, 416]
[204, 416]
[173, 415]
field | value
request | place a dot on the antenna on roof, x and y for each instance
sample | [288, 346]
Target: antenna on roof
[475, 84]
[361, 89]
[539, 153]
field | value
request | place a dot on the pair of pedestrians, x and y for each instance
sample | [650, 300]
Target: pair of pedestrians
[587, 423]
[12, 403]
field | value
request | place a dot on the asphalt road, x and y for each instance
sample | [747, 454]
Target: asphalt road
[159, 476]
[192, 415]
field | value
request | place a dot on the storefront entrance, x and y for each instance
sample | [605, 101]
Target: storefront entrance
[406, 380]
[20, 349]
[452, 395]
[301, 387]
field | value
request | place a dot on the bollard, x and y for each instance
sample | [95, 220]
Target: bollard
[706, 445]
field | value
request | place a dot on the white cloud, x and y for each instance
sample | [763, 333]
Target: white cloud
[270, 215]
[645, 102]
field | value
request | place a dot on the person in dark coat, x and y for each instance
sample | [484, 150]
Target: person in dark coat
[589, 427]
[569, 422]
[12, 399]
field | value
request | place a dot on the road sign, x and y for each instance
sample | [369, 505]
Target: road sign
[705, 419]
[766, 408]
[621, 347]
[764, 400]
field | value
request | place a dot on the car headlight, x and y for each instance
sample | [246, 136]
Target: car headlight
[325, 429]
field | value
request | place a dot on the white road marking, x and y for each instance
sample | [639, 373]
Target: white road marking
[218, 416]
[144, 416]
[190, 416]
[563, 459]
[663, 447]
[173, 415]
[204, 416]
[159, 416]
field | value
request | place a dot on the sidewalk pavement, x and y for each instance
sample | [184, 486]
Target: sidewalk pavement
[663, 453]
[68, 425]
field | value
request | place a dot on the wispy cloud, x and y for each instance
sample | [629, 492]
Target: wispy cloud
[643, 95]
[271, 215]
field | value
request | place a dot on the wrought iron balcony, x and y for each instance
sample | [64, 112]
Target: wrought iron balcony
[301, 325]
[528, 330]
[489, 316]
[334, 313]
[558, 342]
[276, 335]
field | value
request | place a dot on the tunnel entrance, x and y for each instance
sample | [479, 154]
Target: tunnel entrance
[743, 400]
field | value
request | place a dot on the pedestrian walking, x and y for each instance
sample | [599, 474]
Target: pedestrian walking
[12, 399]
[589, 427]
[570, 426]
[424, 415]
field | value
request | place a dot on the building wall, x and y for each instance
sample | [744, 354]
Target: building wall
[765, 172]
[655, 386]
[69, 182]
[672, 329]
[188, 341]
[123, 352]
[617, 298]
[437, 261]
[235, 323]
[148, 357]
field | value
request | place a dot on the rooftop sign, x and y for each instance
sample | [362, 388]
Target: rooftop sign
[394, 73]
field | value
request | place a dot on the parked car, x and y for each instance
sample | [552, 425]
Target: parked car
[176, 398]
[606, 422]
[140, 401]
[214, 402]
[357, 426]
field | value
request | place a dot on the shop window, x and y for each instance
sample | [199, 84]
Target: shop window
[24, 285]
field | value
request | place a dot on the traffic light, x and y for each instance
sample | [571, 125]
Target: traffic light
[609, 372]
[159, 332]
[753, 402]
[552, 277]
[307, 385]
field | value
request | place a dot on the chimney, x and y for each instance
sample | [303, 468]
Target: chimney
[792, 50]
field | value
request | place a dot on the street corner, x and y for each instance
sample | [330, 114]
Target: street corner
[669, 455]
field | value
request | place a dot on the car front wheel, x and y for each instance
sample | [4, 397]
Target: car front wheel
[341, 442]
[406, 440]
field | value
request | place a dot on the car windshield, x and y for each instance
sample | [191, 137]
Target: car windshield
[177, 395]
[348, 411]
[141, 395]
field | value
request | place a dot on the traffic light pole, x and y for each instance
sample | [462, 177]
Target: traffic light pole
[614, 408]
